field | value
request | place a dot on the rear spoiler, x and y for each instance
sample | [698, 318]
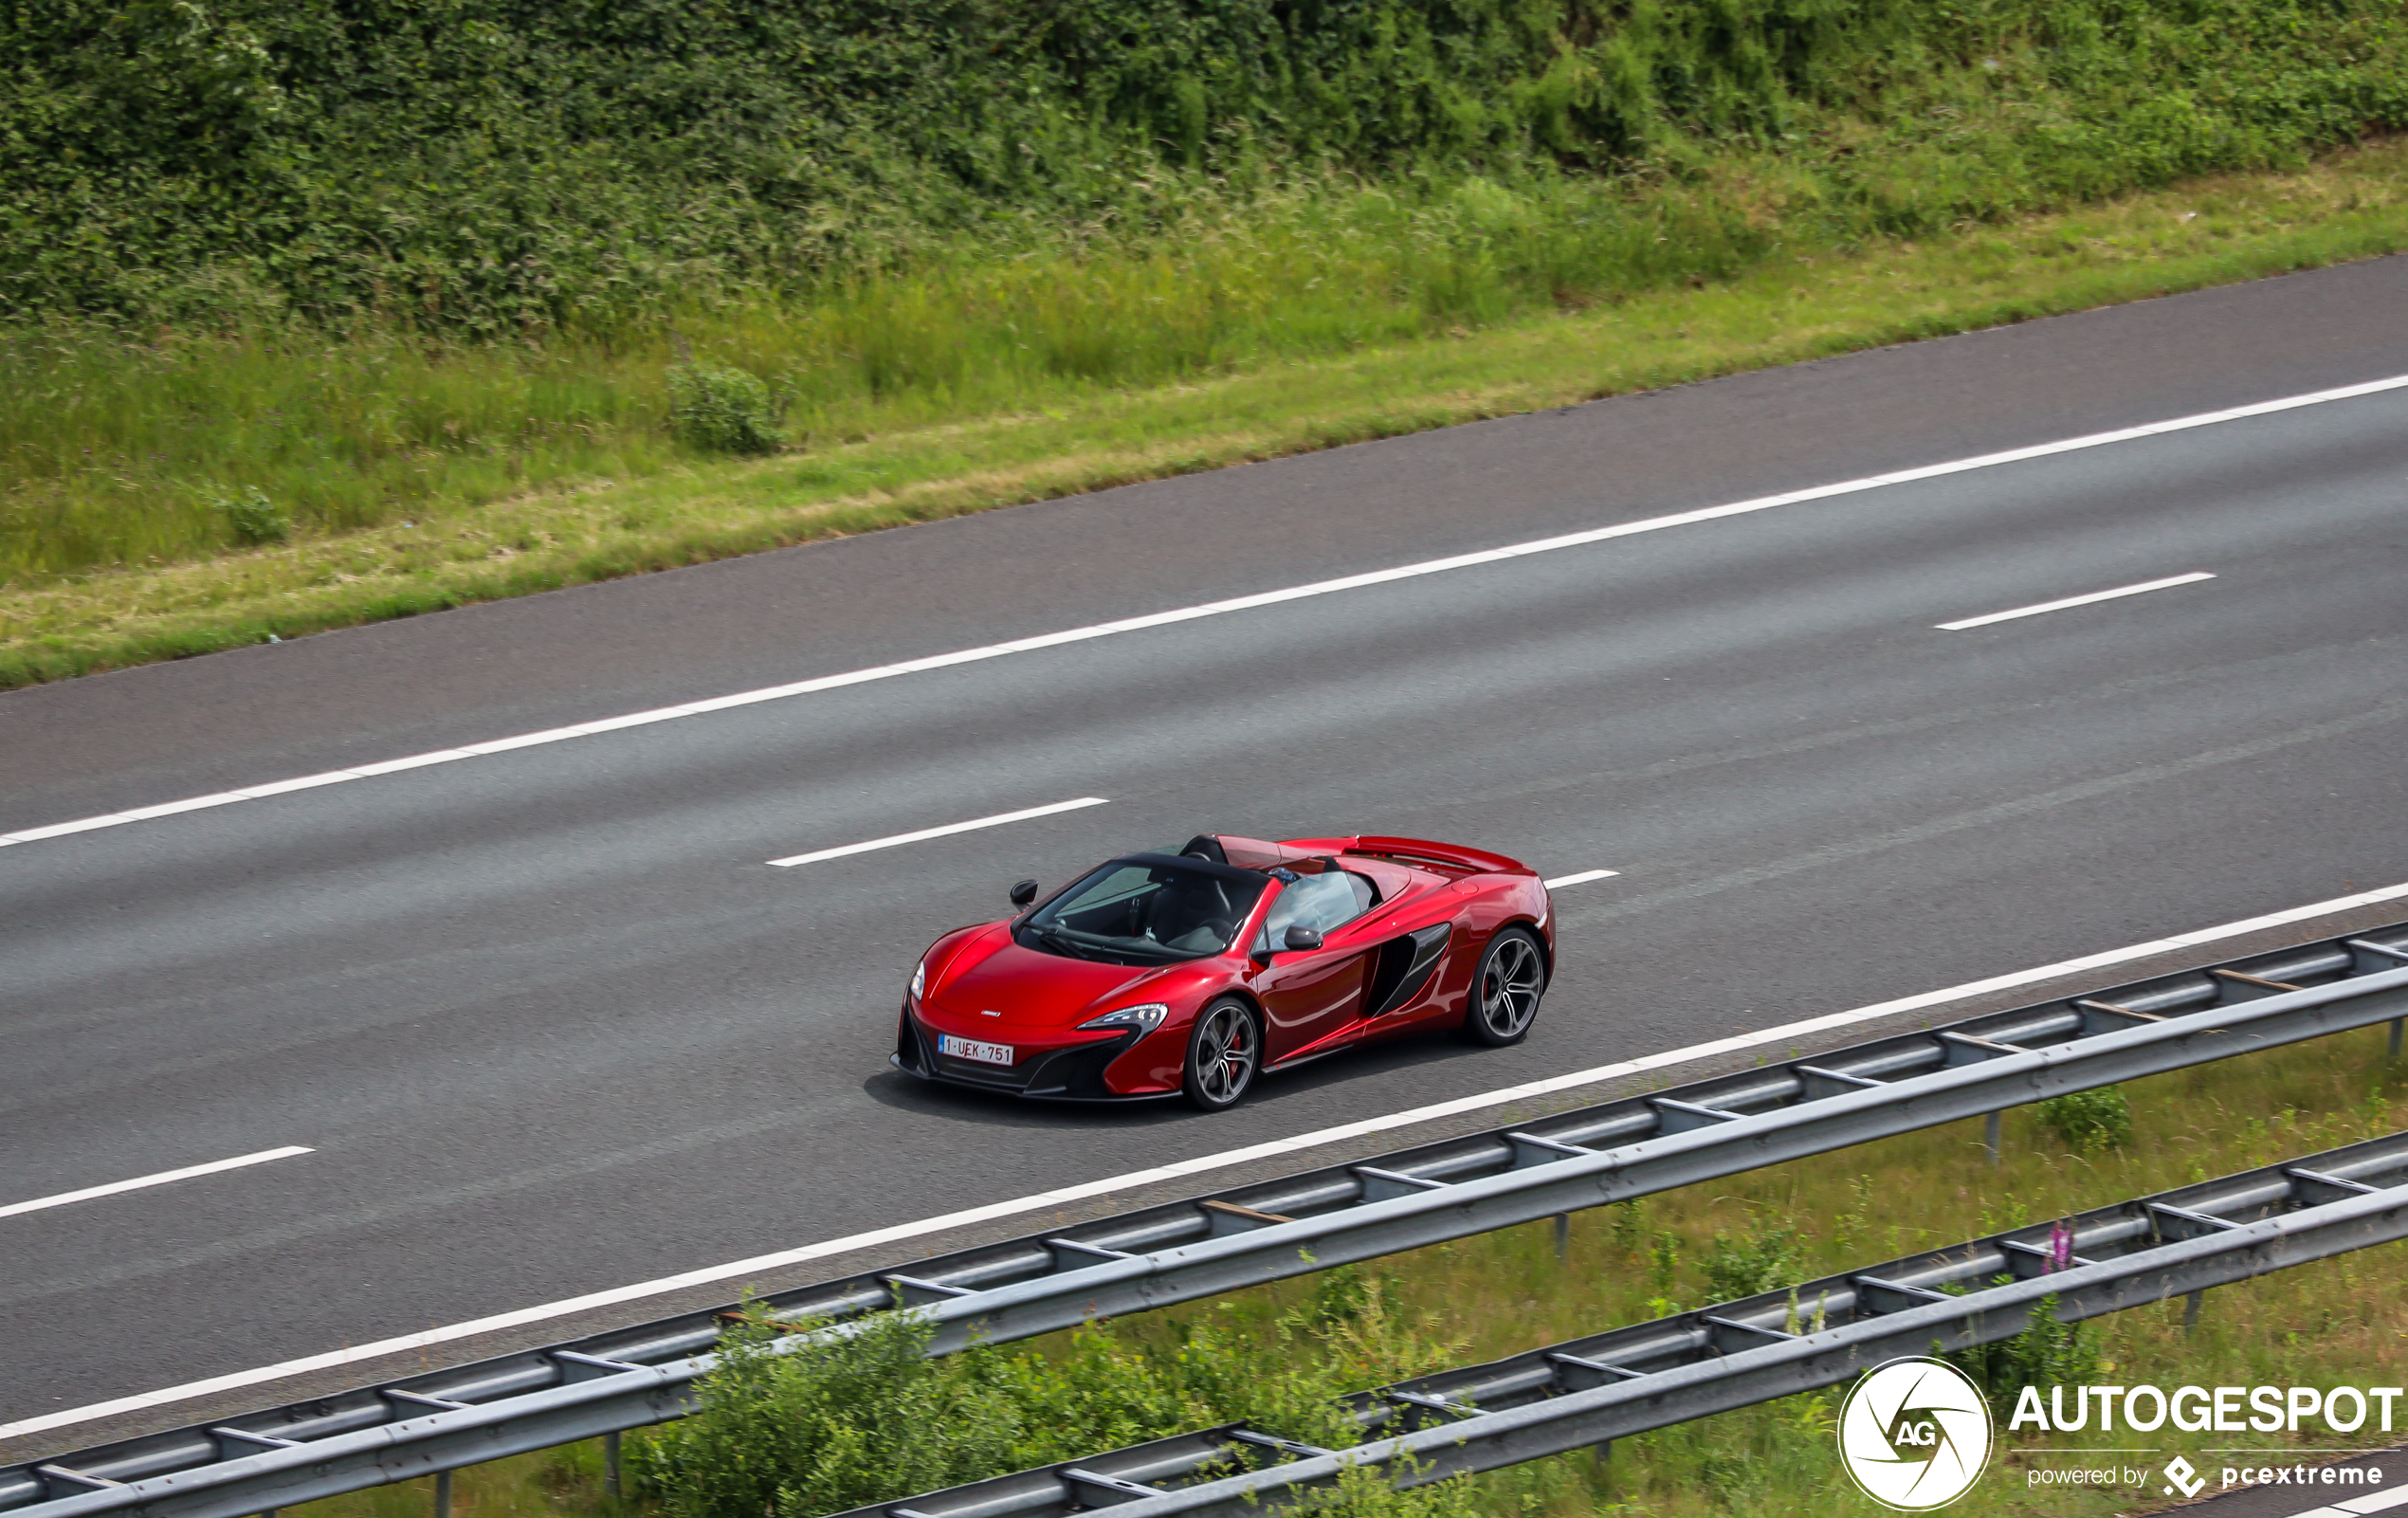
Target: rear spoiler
[1452, 854]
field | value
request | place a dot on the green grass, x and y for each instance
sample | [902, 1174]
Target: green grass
[444, 475]
[2339, 1322]
[506, 172]
[314, 313]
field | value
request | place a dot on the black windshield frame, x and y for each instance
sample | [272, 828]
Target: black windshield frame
[1047, 931]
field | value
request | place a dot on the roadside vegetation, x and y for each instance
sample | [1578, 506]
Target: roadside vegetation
[336, 313]
[791, 1438]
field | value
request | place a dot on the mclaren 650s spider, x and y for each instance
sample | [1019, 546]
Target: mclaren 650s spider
[1197, 969]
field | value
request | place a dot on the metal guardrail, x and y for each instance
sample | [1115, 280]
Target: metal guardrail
[628, 1378]
[1604, 1386]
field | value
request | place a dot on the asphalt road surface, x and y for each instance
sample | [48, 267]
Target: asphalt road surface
[549, 1023]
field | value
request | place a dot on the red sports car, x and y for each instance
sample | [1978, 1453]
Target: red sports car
[1195, 969]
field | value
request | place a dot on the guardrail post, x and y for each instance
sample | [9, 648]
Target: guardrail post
[2395, 1035]
[2191, 1313]
[1563, 1236]
[611, 1463]
[1990, 1136]
[442, 1494]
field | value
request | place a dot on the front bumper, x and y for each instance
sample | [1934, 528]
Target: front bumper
[1072, 1074]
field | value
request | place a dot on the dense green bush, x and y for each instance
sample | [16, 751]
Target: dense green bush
[1743, 1268]
[495, 167]
[252, 517]
[870, 1418]
[720, 409]
[2092, 1121]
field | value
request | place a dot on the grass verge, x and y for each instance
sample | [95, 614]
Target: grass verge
[906, 466]
[2339, 1321]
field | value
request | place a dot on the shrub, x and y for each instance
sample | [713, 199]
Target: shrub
[1749, 1266]
[252, 517]
[2092, 1122]
[501, 169]
[2048, 1353]
[1365, 1491]
[1663, 1263]
[778, 1430]
[870, 1418]
[723, 411]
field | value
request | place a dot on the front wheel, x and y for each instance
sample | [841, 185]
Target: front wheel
[1223, 1052]
[1505, 989]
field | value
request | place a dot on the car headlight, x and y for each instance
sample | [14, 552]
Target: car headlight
[918, 979]
[1144, 1018]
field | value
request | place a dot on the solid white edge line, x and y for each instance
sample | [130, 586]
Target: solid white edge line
[2192, 578]
[1241, 603]
[1179, 1169]
[1582, 879]
[949, 829]
[138, 1182]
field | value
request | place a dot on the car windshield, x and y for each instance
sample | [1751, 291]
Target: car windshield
[1146, 909]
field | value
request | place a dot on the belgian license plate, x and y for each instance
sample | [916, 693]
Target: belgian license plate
[972, 1049]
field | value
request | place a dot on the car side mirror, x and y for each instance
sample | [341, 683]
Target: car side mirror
[1301, 938]
[1023, 892]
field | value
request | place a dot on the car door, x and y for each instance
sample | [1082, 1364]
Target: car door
[1313, 998]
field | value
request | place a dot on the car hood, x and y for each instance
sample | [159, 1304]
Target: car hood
[1032, 989]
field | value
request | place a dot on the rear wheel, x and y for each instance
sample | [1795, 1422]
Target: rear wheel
[1224, 1050]
[1505, 989]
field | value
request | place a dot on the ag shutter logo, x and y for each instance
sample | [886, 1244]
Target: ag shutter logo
[1915, 1433]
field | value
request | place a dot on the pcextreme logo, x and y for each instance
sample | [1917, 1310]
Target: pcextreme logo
[2184, 1476]
[1915, 1433]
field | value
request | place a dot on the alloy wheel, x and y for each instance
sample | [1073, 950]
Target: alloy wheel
[1223, 1057]
[1510, 984]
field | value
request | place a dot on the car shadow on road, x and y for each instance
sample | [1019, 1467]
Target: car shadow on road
[1277, 1093]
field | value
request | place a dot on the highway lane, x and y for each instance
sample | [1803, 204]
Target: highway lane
[143, 736]
[550, 1022]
